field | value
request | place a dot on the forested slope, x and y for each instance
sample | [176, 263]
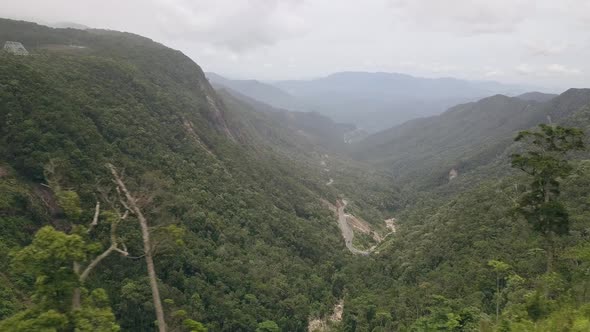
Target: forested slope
[422, 152]
[250, 240]
[465, 256]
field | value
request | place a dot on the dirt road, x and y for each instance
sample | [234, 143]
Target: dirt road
[347, 232]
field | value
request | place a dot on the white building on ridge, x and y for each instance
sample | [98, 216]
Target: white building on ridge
[15, 48]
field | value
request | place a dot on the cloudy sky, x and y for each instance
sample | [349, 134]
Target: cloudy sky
[538, 42]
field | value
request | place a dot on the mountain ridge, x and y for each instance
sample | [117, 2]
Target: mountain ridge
[463, 137]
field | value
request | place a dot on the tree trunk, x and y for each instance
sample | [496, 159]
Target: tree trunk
[550, 252]
[151, 271]
[497, 297]
[549, 237]
[76, 295]
[147, 247]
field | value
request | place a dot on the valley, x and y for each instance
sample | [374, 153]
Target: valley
[140, 193]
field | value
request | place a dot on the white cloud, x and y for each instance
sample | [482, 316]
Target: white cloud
[493, 73]
[524, 69]
[545, 47]
[465, 16]
[547, 71]
[237, 25]
[544, 42]
[562, 70]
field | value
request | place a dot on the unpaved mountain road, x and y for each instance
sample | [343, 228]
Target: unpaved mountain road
[347, 232]
[346, 229]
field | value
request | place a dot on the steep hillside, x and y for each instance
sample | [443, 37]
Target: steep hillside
[464, 257]
[315, 141]
[319, 133]
[253, 242]
[426, 151]
[470, 264]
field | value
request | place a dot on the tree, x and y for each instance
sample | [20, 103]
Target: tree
[69, 201]
[268, 326]
[545, 161]
[50, 259]
[500, 268]
[131, 204]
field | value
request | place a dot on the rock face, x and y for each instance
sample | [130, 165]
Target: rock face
[15, 48]
[453, 173]
[323, 325]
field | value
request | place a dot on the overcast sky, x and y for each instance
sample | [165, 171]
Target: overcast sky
[539, 42]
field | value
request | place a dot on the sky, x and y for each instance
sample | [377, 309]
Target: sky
[543, 43]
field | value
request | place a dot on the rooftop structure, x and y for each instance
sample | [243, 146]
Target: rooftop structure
[15, 48]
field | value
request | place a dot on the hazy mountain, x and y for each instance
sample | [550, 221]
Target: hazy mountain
[372, 101]
[319, 131]
[257, 90]
[537, 96]
[376, 101]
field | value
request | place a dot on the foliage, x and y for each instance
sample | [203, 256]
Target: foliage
[545, 162]
[243, 240]
[234, 217]
[267, 326]
[49, 259]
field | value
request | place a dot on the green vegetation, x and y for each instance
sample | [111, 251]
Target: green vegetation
[545, 162]
[255, 243]
[478, 261]
[235, 195]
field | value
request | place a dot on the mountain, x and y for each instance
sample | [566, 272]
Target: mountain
[537, 96]
[371, 101]
[377, 101]
[259, 91]
[463, 257]
[321, 134]
[69, 25]
[424, 151]
[240, 234]
[126, 177]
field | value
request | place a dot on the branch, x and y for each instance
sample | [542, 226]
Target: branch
[113, 247]
[122, 252]
[122, 201]
[95, 262]
[95, 218]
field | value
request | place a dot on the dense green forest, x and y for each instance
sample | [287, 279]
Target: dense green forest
[242, 235]
[103, 133]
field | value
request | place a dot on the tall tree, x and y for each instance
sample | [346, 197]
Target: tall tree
[545, 160]
[131, 204]
[500, 268]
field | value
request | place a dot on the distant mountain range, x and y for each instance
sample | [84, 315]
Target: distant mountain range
[372, 101]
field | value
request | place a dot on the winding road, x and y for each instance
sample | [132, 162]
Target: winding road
[347, 232]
